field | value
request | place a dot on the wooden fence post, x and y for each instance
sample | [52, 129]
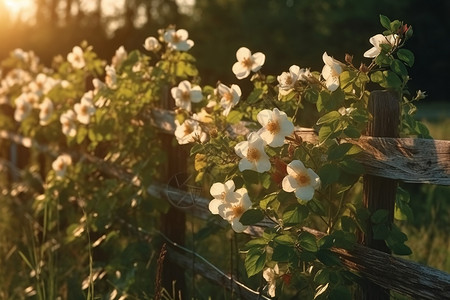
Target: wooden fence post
[173, 223]
[380, 192]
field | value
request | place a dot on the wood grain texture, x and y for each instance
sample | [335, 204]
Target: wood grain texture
[410, 160]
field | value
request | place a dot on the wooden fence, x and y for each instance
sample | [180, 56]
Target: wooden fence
[386, 159]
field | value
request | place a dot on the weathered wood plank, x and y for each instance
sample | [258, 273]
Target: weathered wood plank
[394, 273]
[391, 272]
[411, 160]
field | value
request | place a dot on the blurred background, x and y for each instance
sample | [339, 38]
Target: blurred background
[287, 31]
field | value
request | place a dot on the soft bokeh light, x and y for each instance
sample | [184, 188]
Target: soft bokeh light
[20, 9]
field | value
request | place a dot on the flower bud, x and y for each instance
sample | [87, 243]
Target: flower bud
[349, 58]
[363, 68]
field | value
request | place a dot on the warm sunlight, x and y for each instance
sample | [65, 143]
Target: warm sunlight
[20, 8]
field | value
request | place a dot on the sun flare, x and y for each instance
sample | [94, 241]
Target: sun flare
[16, 7]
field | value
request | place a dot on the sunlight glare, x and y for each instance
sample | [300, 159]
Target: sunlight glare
[24, 8]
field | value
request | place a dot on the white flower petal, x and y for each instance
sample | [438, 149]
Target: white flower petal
[237, 226]
[305, 193]
[289, 184]
[214, 206]
[243, 53]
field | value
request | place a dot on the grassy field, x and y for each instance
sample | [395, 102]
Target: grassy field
[429, 231]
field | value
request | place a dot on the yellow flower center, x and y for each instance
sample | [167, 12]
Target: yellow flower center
[188, 130]
[238, 210]
[186, 96]
[253, 154]
[273, 127]
[84, 110]
[175, 38]
[289, 80]
[228, 97]
[303, 179]
[247, 62]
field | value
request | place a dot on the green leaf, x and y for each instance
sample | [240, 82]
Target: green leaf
[398, 67]
[383, 59]
[294, 215]
[339, 151]
[377, 76]
[380, 231]
[385, 22]
[348, 224]
[328, 174]
[328, 258]
[322, 276]
[380, 216]
[406, 56]
[351, 166]
[255, 243]
[325, 132]
[352, 132]
[392, 80]
[283, 253]
[254, 96]
[346, 79]
[322, 100]
[251, 216]
[255, 261]
[395, 25]
[284, 239]
[234, 116]
[329, 117]
[402, 210]
[81, 134]
[308, 242]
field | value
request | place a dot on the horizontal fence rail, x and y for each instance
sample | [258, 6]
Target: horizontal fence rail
[406, 159]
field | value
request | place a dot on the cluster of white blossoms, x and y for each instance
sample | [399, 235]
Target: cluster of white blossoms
[287, 80]
[275, 127]
[230, 204]
[33, 96]
[60, 165]
[76, 58]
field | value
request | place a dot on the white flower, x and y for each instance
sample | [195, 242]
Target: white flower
[46, 111]
[331, 72]
[229, 97]
[376, 41]
[85, 109]
[345, 111]
[60, 164]
[76, 58]
[119, 57]
[23, 108]
[189, 132]
[111, 77]
[246, 62]
[270, 275]
[230, 204]
[222, 193]
[98, 85]
[275, 126]
[42, 84]
[185, 94]
[287, 80]
[152, 44]
[178, 40]
[300, 180]
[67, 120]
[252, 154]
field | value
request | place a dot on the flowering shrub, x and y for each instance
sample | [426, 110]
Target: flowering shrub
[95, 120]
[295, 183]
